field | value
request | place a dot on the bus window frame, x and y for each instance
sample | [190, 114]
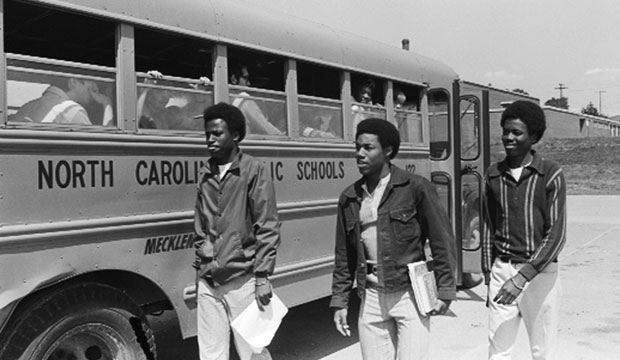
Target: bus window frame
[465, 215]
[249, 90]
[338, 103]
[477, 123]
[449, 140]
[112, 79]
[449, 186]
[143, 83]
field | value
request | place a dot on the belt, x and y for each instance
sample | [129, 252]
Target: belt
[371, 269]
[511, 259]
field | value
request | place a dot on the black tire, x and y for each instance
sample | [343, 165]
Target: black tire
[81, 321]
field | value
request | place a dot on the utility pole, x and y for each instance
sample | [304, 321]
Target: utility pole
[600, 103]
[561, 87]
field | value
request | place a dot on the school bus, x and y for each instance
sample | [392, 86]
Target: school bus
[101, 141]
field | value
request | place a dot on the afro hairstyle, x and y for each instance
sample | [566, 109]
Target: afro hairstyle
[530, 113]
[230, 114]
[386, 132]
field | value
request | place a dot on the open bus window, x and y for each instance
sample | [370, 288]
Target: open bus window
[407, 113]
[39, 92]
[368, 98]
[320, 119]
[171, 104]
[57, 72]
[320, 107]
[256, 87]
[171, 94]
[439, 120]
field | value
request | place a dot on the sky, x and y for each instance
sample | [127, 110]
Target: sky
[534, 45]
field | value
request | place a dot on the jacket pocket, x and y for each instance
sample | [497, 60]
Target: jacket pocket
[404, 224]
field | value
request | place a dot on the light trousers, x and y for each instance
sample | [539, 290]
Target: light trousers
[390, 326]
[537, 306]
[217, 308]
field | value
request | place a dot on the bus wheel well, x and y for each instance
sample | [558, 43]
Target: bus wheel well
[139, 288]
[75, 319]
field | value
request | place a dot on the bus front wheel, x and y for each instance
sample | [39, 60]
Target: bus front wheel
[83, 321]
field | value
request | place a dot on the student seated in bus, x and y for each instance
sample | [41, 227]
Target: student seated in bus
[166, 109]
[319, 126]
[362, 95]
[64, 102]
[399, 99]
[257, 121]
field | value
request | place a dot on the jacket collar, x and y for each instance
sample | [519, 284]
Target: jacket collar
[398, 177]
[211, 165]
[503, 168]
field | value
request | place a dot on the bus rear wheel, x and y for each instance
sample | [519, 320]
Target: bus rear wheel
[81, 322]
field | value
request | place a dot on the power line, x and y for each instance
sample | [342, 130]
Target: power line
[561, 87]
[600, 104]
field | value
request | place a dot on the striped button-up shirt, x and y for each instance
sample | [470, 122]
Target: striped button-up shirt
[525, 218]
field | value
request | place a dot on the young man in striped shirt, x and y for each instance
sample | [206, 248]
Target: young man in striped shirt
[525, 216]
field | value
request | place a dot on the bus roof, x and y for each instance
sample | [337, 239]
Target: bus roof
[251, 26]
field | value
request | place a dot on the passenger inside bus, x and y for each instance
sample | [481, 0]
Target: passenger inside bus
[409, 124]
[320, 126]
[65, 102]
[399, 99]
[401, 103]
[363, 95]
[165, 109]
[257, 121]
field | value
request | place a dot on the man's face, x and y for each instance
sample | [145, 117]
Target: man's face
[244, 79]
[83, 91]
[365, 95]
[517, 141]
[220, 141]
[369, 154]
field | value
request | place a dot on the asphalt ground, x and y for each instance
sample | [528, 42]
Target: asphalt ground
[589, 320]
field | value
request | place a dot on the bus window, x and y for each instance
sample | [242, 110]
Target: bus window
[470, 127]
[58, 73]
[471, 189]
[407, 113]
[439, 120]
[172, 97]
[320, 108]
[442, 184]
[256, 86]
[368, 98]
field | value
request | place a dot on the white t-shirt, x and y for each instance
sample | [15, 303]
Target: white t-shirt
[223, 169]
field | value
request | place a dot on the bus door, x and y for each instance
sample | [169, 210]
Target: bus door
[473, 134]
[444, 156]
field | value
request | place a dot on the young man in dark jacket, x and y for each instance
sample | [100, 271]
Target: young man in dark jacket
[237, 222]
[384, 220]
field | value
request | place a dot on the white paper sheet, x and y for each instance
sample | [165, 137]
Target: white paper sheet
[254, 329]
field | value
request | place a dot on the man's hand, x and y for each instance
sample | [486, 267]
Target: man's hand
[203, 81]
[100, 98]
[340, 320]
[441, 307]
[262, 292]
[510, 290]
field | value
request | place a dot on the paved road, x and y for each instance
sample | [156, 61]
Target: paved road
[590, 314]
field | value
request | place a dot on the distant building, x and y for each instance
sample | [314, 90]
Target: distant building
[562, 123]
